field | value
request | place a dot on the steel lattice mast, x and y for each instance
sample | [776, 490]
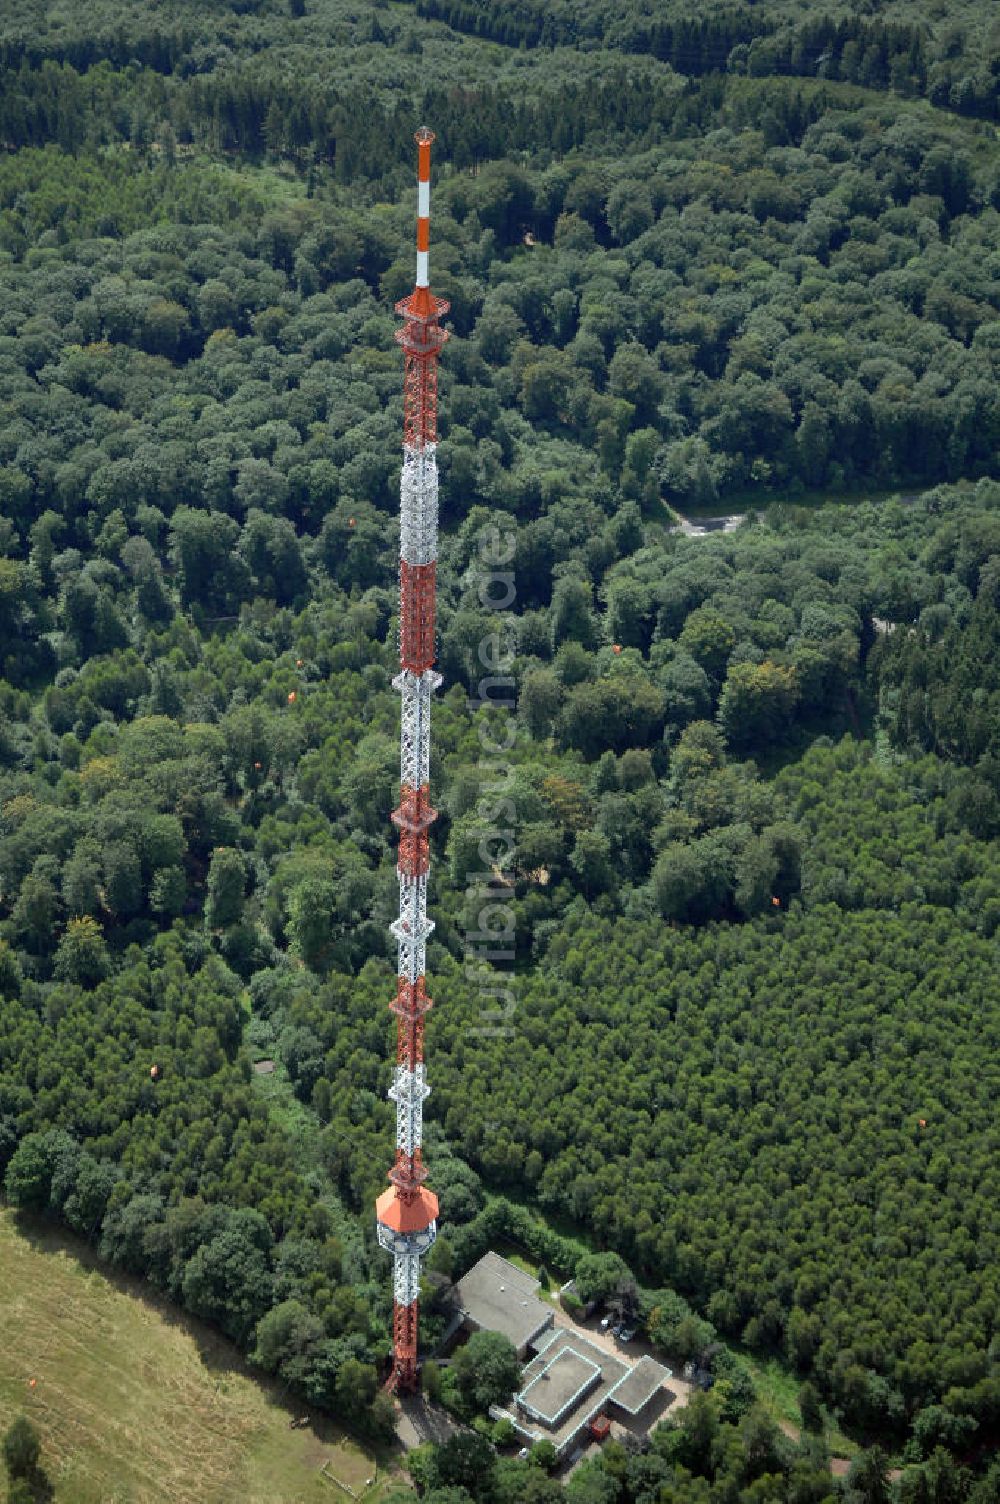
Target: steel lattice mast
[407, 1212]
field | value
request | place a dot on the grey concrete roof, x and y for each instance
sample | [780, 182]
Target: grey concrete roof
[639, 1385]
[495, 1294]
[559, 1386]
[580, 1403]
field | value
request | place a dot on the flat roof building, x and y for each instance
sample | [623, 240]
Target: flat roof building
[558, 1387]
[572, 1388]
[496, 1296]
[571, 1383]
[634, 1392]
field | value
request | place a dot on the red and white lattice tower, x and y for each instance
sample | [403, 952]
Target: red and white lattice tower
[407, 1212]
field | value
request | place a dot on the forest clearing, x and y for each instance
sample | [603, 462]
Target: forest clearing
[137, 1403]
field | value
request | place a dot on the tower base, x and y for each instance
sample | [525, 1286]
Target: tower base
[405, 1375]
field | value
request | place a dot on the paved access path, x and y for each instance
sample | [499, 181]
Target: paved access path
[417, 1422]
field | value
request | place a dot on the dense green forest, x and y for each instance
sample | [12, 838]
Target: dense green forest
[744, 833]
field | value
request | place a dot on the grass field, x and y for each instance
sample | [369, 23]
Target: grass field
[778, 1390]
[530, 1266]
[137, 1404]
